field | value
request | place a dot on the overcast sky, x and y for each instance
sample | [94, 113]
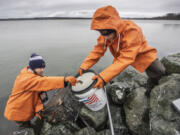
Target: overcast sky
[75, 8]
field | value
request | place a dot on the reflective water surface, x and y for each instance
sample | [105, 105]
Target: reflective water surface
[64, 44]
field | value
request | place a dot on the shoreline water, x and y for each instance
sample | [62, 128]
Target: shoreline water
[64, 44]
[84, 18]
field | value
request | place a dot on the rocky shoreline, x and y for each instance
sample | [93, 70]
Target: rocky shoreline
[132, 112]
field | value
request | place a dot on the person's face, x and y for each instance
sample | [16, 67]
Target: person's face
[110, 36]
[39, 71]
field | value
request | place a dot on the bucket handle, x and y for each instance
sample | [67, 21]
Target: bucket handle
[109, 113]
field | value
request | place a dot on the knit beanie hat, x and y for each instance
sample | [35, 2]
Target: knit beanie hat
[36, 61]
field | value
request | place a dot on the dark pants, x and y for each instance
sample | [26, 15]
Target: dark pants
[35, 123]
[23, 124]
[155, 71]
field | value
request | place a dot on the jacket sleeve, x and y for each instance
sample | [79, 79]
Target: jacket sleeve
[95, 54]
[38, 83]
[131, 43]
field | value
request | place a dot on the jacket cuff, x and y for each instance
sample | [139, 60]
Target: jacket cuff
[83, 67]
[102, 78]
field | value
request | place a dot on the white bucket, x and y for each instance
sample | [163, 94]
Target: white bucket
[94, 99]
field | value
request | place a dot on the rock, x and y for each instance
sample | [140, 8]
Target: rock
[95, 119]
[26, 131]
[118, 91]
[86, 131]
[45, 128]
[118, 120]
[132, 77]
[58, 129]
[91, 131]
[162, 127]
[132, 112]
[172, 63]
[164, 119]
[29, 131]
[104, 132]
[61, 114]
[136, 112]
[62, 107]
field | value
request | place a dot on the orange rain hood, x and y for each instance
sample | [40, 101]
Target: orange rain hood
[106, 18]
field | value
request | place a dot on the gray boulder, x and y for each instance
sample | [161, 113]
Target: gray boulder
[104, 132]
[132, 77]
[172, 63]
[163, 127]
[86, 131]
[95, 119]
[136, 112]
[91, 131]
[164, 119]
[118, 119]
[118, 91]
[58, 129]
[26, 131]
[132, 112]
[62, 107]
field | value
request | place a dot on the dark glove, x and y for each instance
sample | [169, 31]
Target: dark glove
[71, 79]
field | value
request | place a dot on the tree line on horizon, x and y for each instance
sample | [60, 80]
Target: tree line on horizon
[169, 16]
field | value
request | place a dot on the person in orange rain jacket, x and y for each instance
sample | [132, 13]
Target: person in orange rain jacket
[25, 101]
[126, 43]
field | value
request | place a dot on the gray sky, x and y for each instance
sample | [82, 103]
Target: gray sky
[83, 8]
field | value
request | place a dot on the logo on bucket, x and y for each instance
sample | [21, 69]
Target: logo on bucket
[91, 99]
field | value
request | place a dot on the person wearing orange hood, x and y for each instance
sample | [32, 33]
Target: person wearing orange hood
[126, 43]
[26, 99]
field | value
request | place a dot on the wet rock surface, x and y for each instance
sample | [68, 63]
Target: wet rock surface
[95, 119]
[132, 77]
[118, 119]
[58, 129]
[165, 120]
[132, 112]
[63, 107]
[172, 63]
[136, 110]
[118, 92]
[26, 131]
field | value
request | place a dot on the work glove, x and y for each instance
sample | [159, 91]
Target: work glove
[80, 71]
[72, 80]
[100, 82]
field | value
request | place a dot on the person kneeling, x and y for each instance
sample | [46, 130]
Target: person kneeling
[25, 102]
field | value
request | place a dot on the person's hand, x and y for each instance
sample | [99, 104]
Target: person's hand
[71, 80]
[100, 82]
[80, 71]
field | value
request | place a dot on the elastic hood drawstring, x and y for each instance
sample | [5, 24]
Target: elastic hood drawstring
[118, 44]
[105, 44]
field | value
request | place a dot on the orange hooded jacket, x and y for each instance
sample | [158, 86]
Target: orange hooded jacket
[24, 100]
[128, 48]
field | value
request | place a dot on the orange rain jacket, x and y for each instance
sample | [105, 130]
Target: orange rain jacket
[128, 48]
[24, 100]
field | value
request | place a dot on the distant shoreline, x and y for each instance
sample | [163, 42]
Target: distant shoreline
[71, 18]
[42, 18]
[169, 16]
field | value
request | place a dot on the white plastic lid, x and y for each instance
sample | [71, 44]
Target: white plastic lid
[84, 81]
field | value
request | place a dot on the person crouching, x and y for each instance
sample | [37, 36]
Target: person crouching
[25, 102]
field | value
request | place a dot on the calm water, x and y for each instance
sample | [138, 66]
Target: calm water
[64, 44]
